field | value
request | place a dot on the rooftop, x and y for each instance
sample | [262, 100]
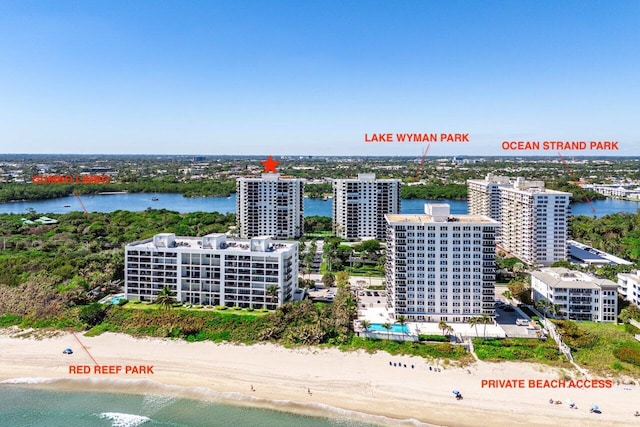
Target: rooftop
[560, 277]
[423, 218]
[213, 242]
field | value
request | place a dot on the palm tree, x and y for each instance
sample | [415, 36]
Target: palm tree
[473, 322]
[272, 292]
[387, 326]
[554, 309]
[365, 324]
[542, 306]
[518, 268]
[165, 298]
[402, 321]
[443, 326]
[484, 318]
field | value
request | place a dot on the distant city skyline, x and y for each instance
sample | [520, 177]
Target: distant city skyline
[302, 78]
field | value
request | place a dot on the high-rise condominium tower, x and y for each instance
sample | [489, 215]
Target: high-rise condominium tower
[440, 266]
[534, 222]
[359, 206]
[270, 206]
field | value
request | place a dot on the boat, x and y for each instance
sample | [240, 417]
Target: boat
[67, 206]
[154, 199]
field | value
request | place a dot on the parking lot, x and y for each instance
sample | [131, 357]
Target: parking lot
[506, 317]
[371, 299]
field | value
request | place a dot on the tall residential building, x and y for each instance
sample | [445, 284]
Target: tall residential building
[270, 206]
[629, 286]
[534, 222]
[359, 206]
[578, 296]
[212, 270]
[484, 195]
[440, 266]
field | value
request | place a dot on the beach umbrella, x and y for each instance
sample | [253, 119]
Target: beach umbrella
[594, 407]
[455, 392]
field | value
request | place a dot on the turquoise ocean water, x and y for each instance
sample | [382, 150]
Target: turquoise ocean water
[24, 406]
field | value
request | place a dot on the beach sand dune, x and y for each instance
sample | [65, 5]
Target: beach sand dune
[307, 380]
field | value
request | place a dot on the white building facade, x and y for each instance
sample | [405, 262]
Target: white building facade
[579, 296]
[629, 286]
[359, 206]
[484, 195]
[270, 206]
[534, 222]
[440, 266]
[212, 270]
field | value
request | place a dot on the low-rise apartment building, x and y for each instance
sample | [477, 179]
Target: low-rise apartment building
[629, 286]
[212, 270]
[578, 295]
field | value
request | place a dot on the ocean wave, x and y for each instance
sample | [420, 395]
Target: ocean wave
[30, 381]
[162, 394]
[124, 420]
[154, 402]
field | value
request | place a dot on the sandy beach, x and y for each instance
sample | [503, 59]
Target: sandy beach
[338, 382]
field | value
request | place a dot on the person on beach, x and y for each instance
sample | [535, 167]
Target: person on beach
[252, 389]
[309, 391]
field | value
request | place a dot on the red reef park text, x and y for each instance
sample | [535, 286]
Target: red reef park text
[70, 179]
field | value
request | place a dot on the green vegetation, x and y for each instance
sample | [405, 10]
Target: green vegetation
[92, 314]
[521, 349]
[299, 323]
[578, 194]
[602, 348]
[441, 350]
[435, 190]
[10, 192]
[166, 298]
[318, 191]
[48, 267]
[618, 234]
[365, 259]
[318, 224]
[439, 338]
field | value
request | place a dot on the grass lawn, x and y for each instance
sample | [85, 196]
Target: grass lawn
[445, 351]
[231, 310]
[520, 349]
[597, 346]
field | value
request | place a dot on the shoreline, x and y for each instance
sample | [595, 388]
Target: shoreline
[355, 385]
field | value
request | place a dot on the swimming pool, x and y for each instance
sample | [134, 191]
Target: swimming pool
[401, 329]
[113, 299]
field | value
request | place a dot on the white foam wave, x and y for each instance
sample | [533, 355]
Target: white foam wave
[30, 381]
[154, 402]
[124, 420]
[165, 393]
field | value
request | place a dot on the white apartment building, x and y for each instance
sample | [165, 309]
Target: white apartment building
[578, 295]
[484, 195]
[534, 222]
[629, 286]
[212, 270]
[440, 266]
[270, 206]
[359, 206]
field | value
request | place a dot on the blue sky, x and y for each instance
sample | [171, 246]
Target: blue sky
[311, 78]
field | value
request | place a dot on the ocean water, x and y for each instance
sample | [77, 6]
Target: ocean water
[22, 405]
